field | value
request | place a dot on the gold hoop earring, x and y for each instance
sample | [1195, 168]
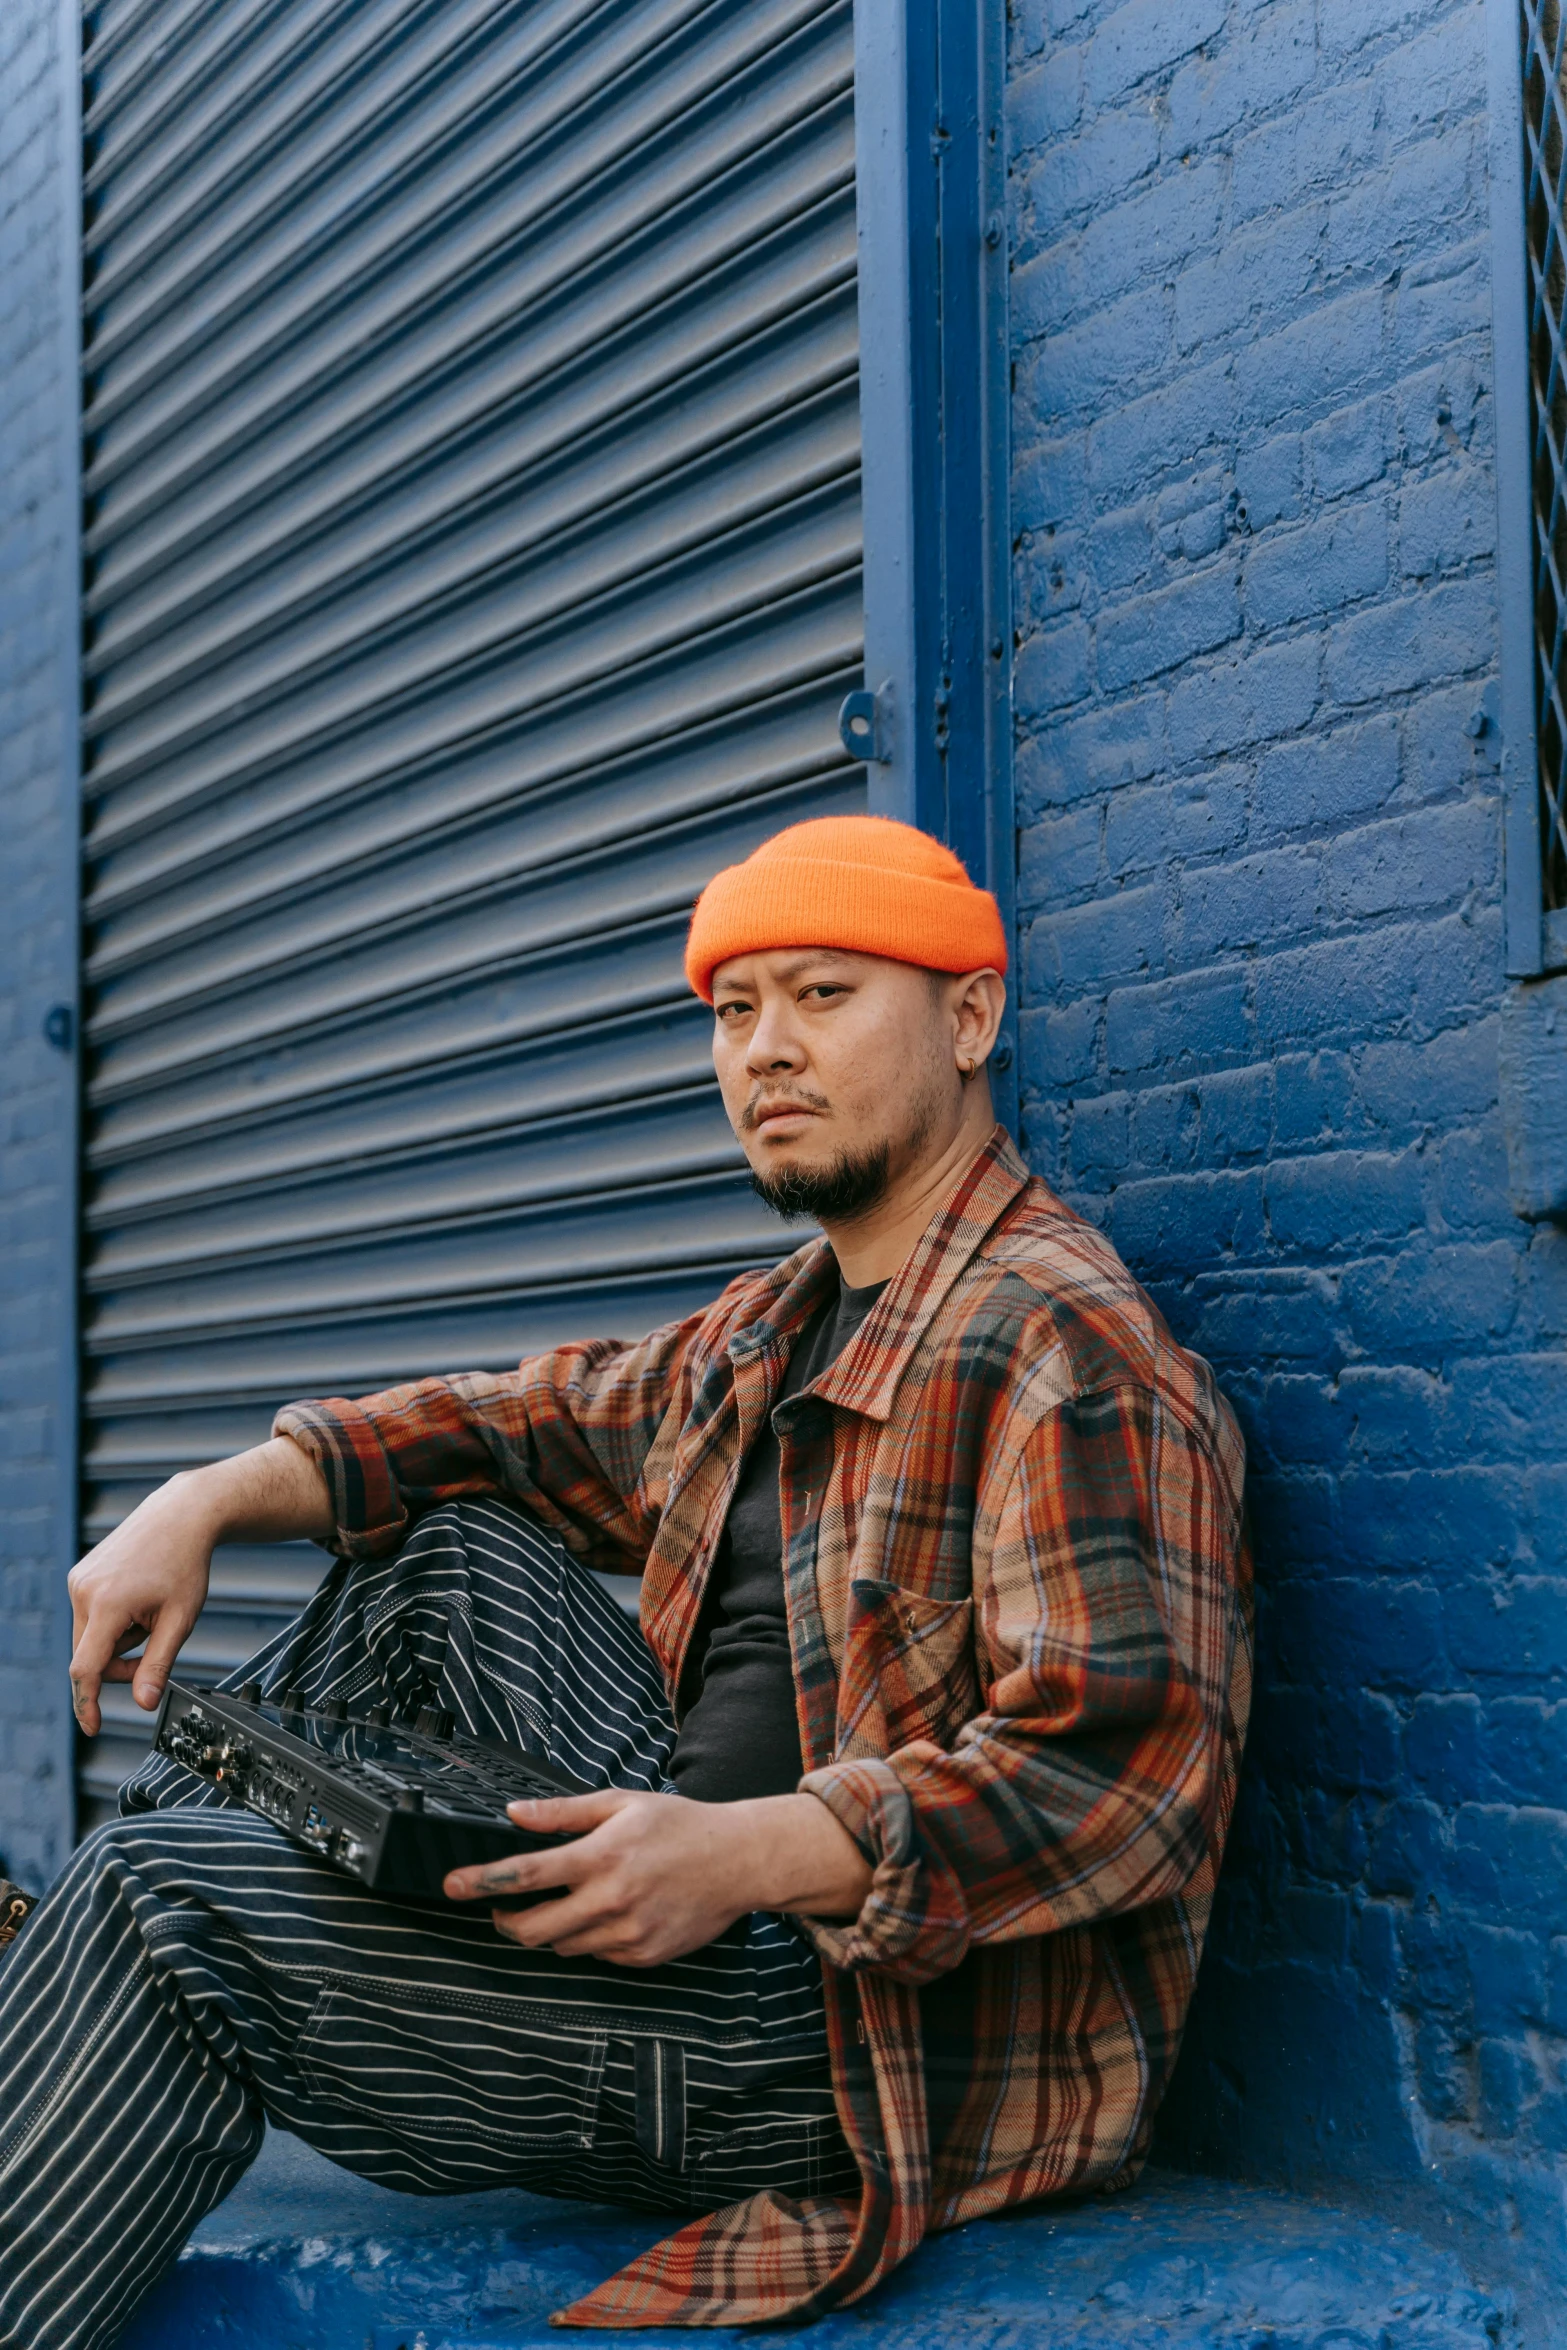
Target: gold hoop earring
[968, 1071]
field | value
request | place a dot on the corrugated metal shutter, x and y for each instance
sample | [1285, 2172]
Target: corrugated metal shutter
[473, 546]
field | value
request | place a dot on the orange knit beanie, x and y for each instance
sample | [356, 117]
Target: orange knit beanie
[865, 883]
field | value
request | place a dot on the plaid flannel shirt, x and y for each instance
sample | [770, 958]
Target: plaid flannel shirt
[1018, 1602]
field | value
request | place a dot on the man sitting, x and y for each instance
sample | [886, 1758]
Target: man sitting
[910, 1794]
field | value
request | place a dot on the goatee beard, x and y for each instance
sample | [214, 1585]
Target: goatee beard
[831, 1194]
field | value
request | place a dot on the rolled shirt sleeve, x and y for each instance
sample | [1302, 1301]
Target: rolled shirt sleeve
[571, 1435]
[1108, 1612]
[369, 1515]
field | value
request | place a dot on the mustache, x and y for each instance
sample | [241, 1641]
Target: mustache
[750, 1120]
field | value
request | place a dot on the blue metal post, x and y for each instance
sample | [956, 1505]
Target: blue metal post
[884, 74]
[1514, 503]
[67, 1205]
[930, 164]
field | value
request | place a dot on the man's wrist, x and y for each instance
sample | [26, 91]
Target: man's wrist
[275, 1492]
[199, 1498]
[793, 1855]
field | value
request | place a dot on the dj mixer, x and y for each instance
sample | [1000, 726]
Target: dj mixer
[392, 1802]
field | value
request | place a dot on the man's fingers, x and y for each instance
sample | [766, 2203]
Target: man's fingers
[528, 1872]
[565, 1864]
[86, 1681]
[103, 1638]
[93, 1656]
[164, 1643]
[569, 1815]
[553, 1925]
[561, 1866]
[122, 1667]
[519, 1872]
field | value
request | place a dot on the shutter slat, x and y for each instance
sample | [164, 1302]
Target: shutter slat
[486, 589]
[136, 58]
[372, 63]
[303, 315]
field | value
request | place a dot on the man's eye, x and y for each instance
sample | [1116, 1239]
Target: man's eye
[826, 988]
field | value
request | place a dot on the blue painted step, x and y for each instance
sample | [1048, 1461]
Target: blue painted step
[303, 2257]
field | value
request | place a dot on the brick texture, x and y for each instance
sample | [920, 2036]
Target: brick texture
[36, 954]
[1262, 966]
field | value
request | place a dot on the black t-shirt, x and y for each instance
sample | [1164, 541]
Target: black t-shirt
[741, 1736]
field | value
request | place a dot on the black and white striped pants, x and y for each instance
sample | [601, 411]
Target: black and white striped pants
[192, 1972]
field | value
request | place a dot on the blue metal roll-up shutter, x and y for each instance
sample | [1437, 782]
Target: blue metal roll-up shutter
[473, 566]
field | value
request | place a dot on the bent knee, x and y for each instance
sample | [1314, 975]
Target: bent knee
[164, 1847]
[485, 1526]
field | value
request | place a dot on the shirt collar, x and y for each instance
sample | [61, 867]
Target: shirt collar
[866, 1375]
[794, 1289]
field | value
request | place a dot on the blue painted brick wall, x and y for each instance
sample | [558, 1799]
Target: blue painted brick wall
[36, 952]
[1261, 971]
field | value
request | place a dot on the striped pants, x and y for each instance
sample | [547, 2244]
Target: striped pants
[191, 1974]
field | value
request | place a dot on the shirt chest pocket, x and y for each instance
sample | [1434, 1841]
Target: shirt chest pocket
[908, 1670]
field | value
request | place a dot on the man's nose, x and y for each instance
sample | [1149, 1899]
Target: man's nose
[774, 1043]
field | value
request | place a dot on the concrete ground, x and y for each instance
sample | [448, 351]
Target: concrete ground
[304, 2257]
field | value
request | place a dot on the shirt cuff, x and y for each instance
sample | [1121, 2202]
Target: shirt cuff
[914, 1922]
[367, 1505]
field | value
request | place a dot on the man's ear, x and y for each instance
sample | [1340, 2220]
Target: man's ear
[978, 1003]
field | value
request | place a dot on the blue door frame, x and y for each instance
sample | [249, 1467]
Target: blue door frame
[54, 1829]
[1526, 946]
[930, 168]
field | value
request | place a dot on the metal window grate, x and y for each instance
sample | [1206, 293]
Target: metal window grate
[1545, 198]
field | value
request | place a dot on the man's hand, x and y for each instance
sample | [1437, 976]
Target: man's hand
[653, 1876]
[148, 1579]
